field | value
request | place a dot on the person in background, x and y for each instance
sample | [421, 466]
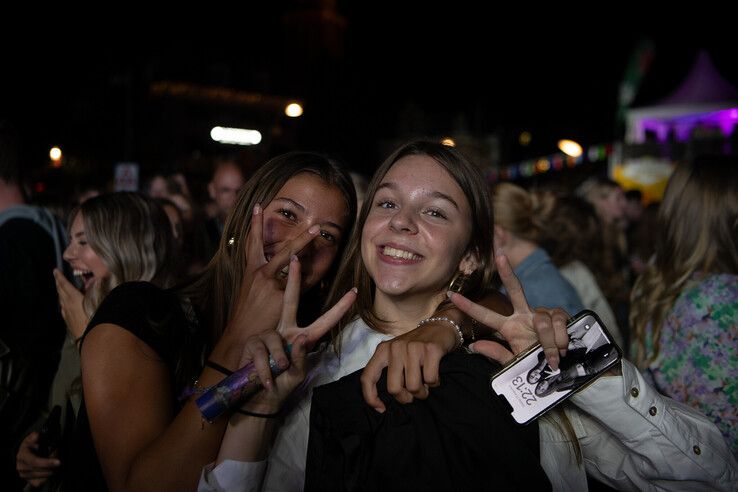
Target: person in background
[573, 238]
[685, 305]
[520, 225]
[633, 209]
[223, 188]
[32, 240]
[114, 238]
[608, 200]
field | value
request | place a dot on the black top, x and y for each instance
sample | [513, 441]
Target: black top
[156, 317]
[459, 438]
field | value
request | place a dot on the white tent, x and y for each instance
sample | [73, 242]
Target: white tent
[704, 99]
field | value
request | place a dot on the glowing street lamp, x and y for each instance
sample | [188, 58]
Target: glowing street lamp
[570, 148]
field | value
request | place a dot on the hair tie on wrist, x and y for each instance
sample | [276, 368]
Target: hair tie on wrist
[260, 415]
[218, 367]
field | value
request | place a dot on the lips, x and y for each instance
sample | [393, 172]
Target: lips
[88, 278]
[396, 253]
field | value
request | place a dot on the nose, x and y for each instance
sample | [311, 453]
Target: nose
[69, 253]
[403, 221]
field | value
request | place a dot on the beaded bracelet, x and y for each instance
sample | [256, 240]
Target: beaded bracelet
[460, 342]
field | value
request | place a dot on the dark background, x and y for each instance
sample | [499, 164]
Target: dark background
[370, 74]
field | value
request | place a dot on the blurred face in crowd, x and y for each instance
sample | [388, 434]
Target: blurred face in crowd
[158, 187]
[85, 262]
[611, 206]
[223, 189]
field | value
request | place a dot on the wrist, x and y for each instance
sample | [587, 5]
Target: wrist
[448, 324]
[260, 407]
[467, 324]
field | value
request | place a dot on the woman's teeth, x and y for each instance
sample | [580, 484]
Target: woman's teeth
[81, 273]
[398, 253]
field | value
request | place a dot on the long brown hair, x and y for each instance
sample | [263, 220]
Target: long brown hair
[216, 289]
[697, 231]
[352, 271]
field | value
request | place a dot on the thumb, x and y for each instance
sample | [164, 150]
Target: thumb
[493, 350]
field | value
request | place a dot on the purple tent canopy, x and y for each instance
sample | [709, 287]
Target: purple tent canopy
[704, 100]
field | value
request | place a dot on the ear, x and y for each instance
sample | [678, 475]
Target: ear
[211, 190]
[470, 262]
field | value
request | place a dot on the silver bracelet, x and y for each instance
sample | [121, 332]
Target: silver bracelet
[460, 342]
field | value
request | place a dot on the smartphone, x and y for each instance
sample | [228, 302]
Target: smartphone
[49, 434]
[529, 387]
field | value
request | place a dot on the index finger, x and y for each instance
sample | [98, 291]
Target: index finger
[293, 247]
[291, 298]
[371, 374]
[254, 239]
[480, 313]
[512, 285]
[322, 325]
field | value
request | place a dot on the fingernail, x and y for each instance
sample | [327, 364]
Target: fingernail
[257, 209]
[562, 352]
[314, 229]
[449, 294]
[471, 348]
[284, 363]
[268, 384]
[380, 409]
[294, 258]
[355, 290]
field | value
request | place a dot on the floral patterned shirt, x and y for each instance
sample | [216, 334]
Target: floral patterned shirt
[698, 355]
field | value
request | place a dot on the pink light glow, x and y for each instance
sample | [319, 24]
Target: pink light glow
[682, 126]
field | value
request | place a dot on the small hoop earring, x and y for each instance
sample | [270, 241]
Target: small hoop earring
[457, 283]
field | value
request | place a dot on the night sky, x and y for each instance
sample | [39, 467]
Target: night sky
[376, 75]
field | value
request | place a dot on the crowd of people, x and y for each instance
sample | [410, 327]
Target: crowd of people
[373, 326]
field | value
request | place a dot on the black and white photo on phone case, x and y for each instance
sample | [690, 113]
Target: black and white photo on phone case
[530, 386]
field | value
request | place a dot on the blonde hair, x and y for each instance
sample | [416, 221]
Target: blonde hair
[133, 237]
[352, 271]
[521, 213]
[697, 231]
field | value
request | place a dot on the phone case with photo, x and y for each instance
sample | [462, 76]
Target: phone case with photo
[528, 385]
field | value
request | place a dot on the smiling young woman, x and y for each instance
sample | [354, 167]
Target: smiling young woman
[426, 217]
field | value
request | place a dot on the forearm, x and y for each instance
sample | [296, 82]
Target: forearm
[659, 439]
[137, 436]
[176, 458]
[247, 438]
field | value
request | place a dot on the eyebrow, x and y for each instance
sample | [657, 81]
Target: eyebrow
[302, 209]
[79, 234]
[432, 194]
